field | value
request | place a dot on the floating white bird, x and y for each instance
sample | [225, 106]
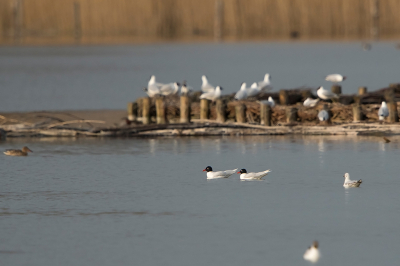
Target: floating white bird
[242, 93]
[168, 89]
[325, 94]
[383, 111]
[323, 115]
[212, 95]
[335, 78]
[185, 89]
[310, 102]
[265, 84]
[218, 174]
[252, 176]
[205, 86]
[253, 90]
[312, 254]
[350, 183]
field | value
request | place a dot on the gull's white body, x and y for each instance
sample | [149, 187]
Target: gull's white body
[212, 95]
[310, 102]
[185, 89]
[254, 176]
[253, 90]
[220, 174]
[153, 90]
[270, 101]
[168, 89]
[242, 93]
[205, 86]
[312, 254]
[383, 111]
[325, 94]
[335, 78]
[351, 183]
[323, 115]
[265, 84]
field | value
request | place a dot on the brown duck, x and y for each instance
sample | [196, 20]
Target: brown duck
[23, 152]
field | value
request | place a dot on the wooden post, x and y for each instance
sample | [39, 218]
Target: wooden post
[77, 21]
[375, 19]
[291, 115]
[265, 114]
[221, 111]
[283, 97]
[185, 109]
[357, 115]
[204, 109]
[362, 90]
[336, 89]
[240, 111]
[218, 20]
[132, 111]
[306, 94]
[146, 110]
[393, 115]
[160, 111]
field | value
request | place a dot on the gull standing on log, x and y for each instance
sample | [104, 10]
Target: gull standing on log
[335, 78]
[152, 90]
[350, 183]
[312, 253]
[323, 115]
[168, 89]
[253, 90]
[242, 93]
[265, 84]
[153, 81]
[185, 89]
[325, 94]
[205, 86]
[383, 111]
[269, 102]
[310, 102]
[212, 95]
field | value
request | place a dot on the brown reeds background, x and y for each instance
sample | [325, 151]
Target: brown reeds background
[107, 21]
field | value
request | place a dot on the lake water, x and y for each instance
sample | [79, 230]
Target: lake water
[107, 77]
[147, 201]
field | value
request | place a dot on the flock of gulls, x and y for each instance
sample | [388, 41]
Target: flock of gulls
[312, 254]
[212, 93]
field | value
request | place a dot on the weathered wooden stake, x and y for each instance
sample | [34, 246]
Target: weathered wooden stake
[145, 110]
[240, 111]
[357, 115]
[218, 20]
[204, 109]
[362, 90]
[160, 111]
[265, 114]
[221, 111]
[306, 94]
[283, 97]
[185, 109]
[77, 21]
[291, 115]
[336, 89]
[393, 115]
[132, 111]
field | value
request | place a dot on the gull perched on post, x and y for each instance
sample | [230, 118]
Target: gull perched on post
[383, 111]
[205, 86]
[325, 94]
[253, 90]
[310, 102]
[242, 93]
[265, 84]
[212, 95]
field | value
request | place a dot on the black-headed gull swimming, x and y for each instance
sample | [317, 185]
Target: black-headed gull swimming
[383, 111]
[325, 94]
[242, 93]
[253, 90]
[218, 174]
[266, 83]
[212, 95]
[350, 183]
[205, 86]
[335, 78]
[310, 102]
[323, 115]
[168, 89]
[312, 254]
[252, 176]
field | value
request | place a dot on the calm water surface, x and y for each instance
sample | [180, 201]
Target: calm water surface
[107, 77]
[147, 202]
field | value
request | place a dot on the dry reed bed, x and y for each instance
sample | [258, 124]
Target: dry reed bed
[29, 20]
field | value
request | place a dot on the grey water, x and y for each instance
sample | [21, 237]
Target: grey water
[147, 201]
[107, 77]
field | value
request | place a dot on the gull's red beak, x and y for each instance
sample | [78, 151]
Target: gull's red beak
[204, 170]
[238, 172]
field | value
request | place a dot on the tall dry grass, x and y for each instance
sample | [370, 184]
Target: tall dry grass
[50, 20]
